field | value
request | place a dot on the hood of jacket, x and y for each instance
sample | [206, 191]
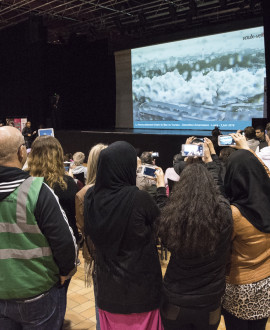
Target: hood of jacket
[10, 179]
[253, 144]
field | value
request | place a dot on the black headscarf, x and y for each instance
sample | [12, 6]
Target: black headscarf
[247, 185]
[108, 207]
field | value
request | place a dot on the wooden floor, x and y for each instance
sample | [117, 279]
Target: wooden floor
[81, 303]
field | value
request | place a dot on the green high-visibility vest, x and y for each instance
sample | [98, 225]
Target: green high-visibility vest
[27, 267]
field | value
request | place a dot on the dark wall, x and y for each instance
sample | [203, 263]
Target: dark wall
[22, 71]
[82, 73]
[84, 77]
[31, 71]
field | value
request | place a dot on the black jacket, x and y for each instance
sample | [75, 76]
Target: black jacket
[131, 282]
[67, 201]
[199, 282]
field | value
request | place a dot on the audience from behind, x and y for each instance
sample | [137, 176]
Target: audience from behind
[147, 158]
[260, 136]
[78, 170]
[46, 160]
[120, 220]
[68, 157]
[251, 138]
[215, 164]
[246, 302]
[38, 251]
[170, 175]
[196, 226]
[179, 164]
[223, 156]
[144, 182]
[88, 247]
[264, 153]
[28, 134]
[214, 138]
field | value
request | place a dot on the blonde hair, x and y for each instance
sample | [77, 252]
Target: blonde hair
[46, 159]
[78, 158]
[92, 163]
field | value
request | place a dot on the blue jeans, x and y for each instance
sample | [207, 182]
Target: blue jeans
[45, 312]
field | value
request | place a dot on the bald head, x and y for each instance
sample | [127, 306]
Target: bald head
[11, 141]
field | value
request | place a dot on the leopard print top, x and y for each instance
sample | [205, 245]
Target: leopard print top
[248, 301]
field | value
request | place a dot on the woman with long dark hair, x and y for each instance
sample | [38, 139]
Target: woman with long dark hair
[120, 220]
[196, 227]
[246, 303]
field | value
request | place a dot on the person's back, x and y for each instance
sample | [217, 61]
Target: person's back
[79, 171]
[250, 246]
[251, 138]
[36, 244]
[120, 221]
[247, 184]
[196, 227]
[47, 160]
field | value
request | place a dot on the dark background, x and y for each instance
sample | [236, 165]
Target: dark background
[81, 72]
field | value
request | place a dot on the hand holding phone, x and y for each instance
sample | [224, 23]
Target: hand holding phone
[210, 145]
[240, 141]
[207, 158]
[160, 177]
[226, 140]
[148, 171]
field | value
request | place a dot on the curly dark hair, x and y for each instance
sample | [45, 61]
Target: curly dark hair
[192, 220]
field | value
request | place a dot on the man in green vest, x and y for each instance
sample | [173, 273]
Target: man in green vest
[37, 247]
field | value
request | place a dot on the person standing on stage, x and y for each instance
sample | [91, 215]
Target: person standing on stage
[28, 134]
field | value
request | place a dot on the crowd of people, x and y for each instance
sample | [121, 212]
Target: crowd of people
[212, 213]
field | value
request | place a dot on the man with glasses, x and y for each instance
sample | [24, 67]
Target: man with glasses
[37, 246]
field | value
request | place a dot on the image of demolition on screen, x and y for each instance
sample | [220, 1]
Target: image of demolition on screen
[215, 80]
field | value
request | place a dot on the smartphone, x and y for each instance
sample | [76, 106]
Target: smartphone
[149, 171]
[66, 165]
[155, 154]
[192, 150]
[226, 140]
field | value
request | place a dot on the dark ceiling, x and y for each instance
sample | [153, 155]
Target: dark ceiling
[122, 19]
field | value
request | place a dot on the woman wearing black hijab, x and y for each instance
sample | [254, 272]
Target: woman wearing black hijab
[246, 301]
[120, 220]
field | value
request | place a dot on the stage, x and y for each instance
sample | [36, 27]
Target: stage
[166, 142]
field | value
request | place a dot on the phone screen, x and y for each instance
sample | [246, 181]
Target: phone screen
[66, 165]
[226, 140]
[192, 150]
[149, 171]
